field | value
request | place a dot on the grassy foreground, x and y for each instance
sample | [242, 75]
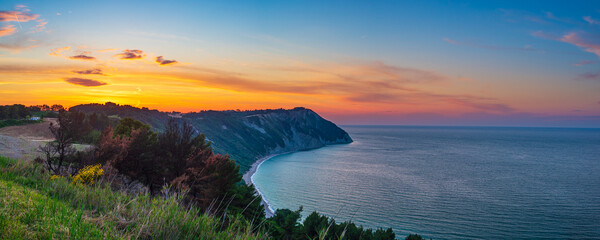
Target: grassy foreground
[32, 206]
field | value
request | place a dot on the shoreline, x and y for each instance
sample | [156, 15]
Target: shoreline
[248, 177]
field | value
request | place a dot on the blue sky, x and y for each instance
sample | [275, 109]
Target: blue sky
[428, 61]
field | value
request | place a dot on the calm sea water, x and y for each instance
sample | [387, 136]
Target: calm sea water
[448, 182]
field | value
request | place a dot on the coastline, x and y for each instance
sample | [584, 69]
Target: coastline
[248, 178]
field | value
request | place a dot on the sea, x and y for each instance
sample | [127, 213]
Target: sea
[448, 182]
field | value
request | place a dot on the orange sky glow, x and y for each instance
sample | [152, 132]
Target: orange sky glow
[385, 85]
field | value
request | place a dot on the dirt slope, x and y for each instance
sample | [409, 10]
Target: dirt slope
[32, 132]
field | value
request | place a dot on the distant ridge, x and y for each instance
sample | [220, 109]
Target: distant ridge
[245, 135]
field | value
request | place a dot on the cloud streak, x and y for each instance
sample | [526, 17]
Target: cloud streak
[17, 16]
[85, 82]
[7, 30]
[591, 76]
[357, 83]
[591, 21]
[130, 54]
[585, 41]
[580, 41]
[58, 51]
[526, 48]
[96, 71]
[19, 43]
[583, 62]
[82, 57]
[161, 61]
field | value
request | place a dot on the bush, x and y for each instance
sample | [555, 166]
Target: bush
[88, 175]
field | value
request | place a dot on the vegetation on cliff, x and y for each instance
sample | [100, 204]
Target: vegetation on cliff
[244, 135]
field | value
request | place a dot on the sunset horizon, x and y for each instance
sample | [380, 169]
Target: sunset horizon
[498, 64]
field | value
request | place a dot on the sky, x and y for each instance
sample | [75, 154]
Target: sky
[479, 63]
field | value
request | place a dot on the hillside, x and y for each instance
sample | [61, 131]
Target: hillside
[33, 132]
[34, 205]
[245, 135]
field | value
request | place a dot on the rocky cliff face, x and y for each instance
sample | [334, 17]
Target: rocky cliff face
[248, 136]
[245, 135]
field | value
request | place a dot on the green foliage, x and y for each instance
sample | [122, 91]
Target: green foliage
[247, 202]
[126, 125]
[16, 111]
[284, 224]
[15, 122]
[157, 120]
[34, 207]
[92, 137]
[314, 224]
[414, 237]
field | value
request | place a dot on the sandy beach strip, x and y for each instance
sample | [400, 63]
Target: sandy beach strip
[247, 177]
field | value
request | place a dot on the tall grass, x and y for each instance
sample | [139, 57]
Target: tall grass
[34, 207]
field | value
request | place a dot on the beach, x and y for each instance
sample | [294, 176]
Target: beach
[247, 177]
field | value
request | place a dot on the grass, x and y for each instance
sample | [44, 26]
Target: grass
[15, 122]
[34, 207]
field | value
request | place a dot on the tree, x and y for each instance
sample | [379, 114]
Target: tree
[314, 224]
[139, 160]
[57, 151]
[381, 234]
[57, 108]
[414, 237]
[208, 177]
[126, 125]
[130, 150]
[176, 144]
[247, 202]
[284, 224]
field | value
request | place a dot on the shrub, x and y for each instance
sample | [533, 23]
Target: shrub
[88, 175]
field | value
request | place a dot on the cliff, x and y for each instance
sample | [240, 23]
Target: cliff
[245, 135]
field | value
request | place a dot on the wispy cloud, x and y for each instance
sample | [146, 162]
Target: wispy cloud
[591, 21]
[40, 26]
[96, 71]
[587, 44]
[130, 54]
[58, 51]
[17, 16]
[479, 103]
[161, 61]
[85, 82]
[21, 15]
[19, 43]
[583, 62]
[7, 30]
[591, 76]
[585, 41]
[353, 83]
[551, 16]
[492, 47]
[82, 57]
[20, 40]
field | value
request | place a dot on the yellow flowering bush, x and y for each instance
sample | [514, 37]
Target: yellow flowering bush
[54, 177]
[88, 175]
